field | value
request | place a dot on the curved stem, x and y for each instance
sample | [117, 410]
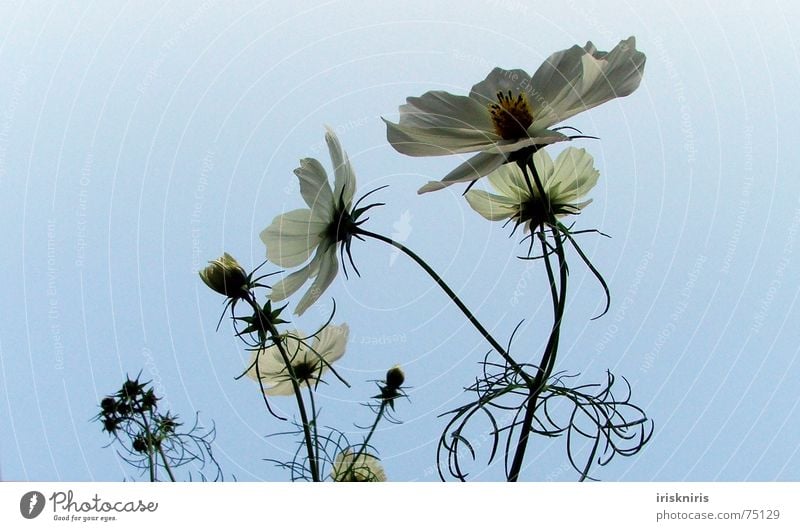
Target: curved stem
[453, 297]
[365, 444]
[378, 418]
[276, 338]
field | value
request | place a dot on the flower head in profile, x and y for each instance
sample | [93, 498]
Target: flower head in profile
[225, 276]
[365, 467]
[392, 387]
[330, 221]
[511, 113]
[309, 362]
[565, 182]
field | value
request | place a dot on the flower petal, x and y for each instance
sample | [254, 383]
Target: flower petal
[314, 187]
[474, 168]
[366, 468]
[293, 282]
[574, 175]
[328, 267]
[436, 141]
[345, 180]
[544, 167]
[509, 181]
[438, 108]
[500, 80]
[272, 367]
[291, 237]
[492, 207]
[331, 342]
[537, 137]
[282, 388]
[270, 361]
[577, 79]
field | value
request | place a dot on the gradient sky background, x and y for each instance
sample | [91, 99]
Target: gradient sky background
[140, 139]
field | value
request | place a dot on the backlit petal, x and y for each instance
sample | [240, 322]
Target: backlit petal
[438, 108]
[577, 79]
[328, 267]
[470, 170]
[314, 187]
[492, 207]
[291, 237]
[345, 181]
[435, 141]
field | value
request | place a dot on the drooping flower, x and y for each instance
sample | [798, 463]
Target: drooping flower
[308, 362]
[564, 181]
[329, 220]
[510, 112]
[365, 468]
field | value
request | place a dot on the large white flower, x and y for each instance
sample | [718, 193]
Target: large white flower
[564, 181]
[308, 362]
[294, 236]
[510, 111]
[365, 468]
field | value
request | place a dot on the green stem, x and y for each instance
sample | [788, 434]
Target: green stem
[315, 435]
[551, 349]
[151, 442]
[453, 297]
[276, 338]
[151, 462]
[365, 444]
[166, 463]
[378, 418]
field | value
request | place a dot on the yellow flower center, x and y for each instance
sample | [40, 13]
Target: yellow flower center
[511, 116]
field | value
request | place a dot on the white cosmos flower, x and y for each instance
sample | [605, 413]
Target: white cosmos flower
[308, 362]
[365, 468]
[510, 110]
[294, 236]
[564, 181]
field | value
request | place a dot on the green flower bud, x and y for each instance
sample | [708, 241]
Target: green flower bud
[225, 276]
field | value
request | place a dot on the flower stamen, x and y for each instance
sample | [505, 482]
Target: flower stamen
[511, 116]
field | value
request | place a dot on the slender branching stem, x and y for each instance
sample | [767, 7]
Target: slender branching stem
[378, 417]
[315, 434]
[365, 444]
[277, 339]
[167, 466]
[151, 459]
[558, 292]
[153, 442]
[453, 297]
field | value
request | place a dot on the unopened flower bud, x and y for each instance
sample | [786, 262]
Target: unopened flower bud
[110, 424]
[225, 276]
[108, 405]
[130, 389]
[140, 445]
[395, 377]
[149, 400]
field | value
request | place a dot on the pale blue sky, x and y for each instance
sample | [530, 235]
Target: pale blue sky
[140, 139]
